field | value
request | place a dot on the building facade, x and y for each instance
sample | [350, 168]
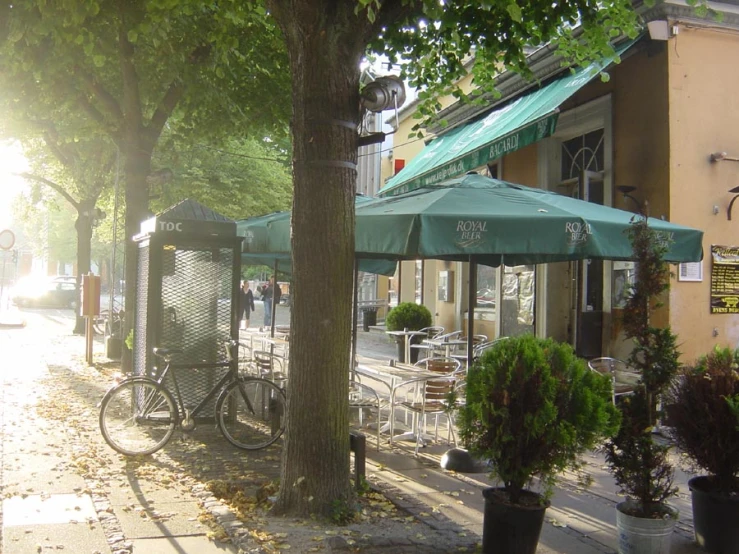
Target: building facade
[643, 140]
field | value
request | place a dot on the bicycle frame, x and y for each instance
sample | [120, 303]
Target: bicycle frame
[229, 376]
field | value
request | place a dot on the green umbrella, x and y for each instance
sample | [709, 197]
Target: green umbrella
[494, 222]
[480, 220]
[267, 240]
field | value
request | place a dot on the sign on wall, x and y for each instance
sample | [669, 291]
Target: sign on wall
[724, 279]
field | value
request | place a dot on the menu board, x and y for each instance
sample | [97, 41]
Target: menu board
[725, 279]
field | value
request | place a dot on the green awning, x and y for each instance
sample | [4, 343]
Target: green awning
[524, 121]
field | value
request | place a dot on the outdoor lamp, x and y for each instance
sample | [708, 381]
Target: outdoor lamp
[735, 192]
[718, 156]
[380, 94]
[626, 191]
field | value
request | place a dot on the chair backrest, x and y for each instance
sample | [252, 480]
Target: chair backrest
[267, 364]
[448, 336]
[478, 349]
[479, 339]
[442, 365]
[439, 389]
[432, 332]
[623, 379]
[607, 365]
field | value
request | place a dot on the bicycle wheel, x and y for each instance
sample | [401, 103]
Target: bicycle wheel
[138, 416]
[251, 413]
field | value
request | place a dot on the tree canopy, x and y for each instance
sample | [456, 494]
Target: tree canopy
[126, 70]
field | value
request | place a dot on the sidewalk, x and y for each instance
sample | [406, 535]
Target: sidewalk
[63, 487]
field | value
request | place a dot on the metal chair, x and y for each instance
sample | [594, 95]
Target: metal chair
[431, 332]
[245, 355]
[477, 349]
[268, 366]
[623, 378]
[428, 396]
[440, 364]
[437, 350]
[363, 397]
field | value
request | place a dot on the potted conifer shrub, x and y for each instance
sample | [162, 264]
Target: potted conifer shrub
[638, 462]
[407, 316]
[532, 407]
[704, 416]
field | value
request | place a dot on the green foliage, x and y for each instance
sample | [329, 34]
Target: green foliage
[532, 407]
[239, 178]
[364, 486]
[408, 315]
[441, 36]
[342, 512]
[129, 340]
[639, 464]
[704, 415]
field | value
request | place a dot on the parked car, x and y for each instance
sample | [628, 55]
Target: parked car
[56, 292]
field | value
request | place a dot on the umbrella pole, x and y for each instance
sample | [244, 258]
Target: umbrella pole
[273, 307]
[471, 299]
[355, 295]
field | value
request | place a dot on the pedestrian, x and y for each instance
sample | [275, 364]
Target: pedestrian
[246, 304]
[271, 292]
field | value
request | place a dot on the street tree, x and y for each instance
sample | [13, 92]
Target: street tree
[237, 177]
[326, 40]
[128, 67]
[76, 172]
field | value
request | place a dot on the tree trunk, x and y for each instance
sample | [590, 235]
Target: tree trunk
[83, 225]
[325, 78]
[137, 164]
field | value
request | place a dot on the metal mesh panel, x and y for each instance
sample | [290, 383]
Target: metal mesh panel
[197, 284]
[141, 350]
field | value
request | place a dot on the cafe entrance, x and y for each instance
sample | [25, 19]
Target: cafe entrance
[582, 176]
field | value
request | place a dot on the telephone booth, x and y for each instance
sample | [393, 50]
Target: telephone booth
[189, 264]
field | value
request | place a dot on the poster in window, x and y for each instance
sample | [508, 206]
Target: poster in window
[724, 279]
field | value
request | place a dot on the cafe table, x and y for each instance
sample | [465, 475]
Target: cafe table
[406, 334]
[393, 377]
[447, 345]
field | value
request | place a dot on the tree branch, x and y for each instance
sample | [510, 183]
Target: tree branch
[62, 154]
[52, 185]
[165, 108]
[106, 99]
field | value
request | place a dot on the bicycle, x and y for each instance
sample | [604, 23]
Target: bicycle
[139, 415]
[106, 325]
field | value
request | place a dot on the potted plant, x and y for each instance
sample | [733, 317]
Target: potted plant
[704, 415]
[638, 462]
[407, 316]
[532, 407]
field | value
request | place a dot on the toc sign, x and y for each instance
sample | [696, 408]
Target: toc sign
[7, 239]
[170, 226]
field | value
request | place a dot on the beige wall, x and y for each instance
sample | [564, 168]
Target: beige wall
[704, 118]
[521, 167]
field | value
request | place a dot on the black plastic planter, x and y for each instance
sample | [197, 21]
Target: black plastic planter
[715, 517]
[369, 318]
[509, 529]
